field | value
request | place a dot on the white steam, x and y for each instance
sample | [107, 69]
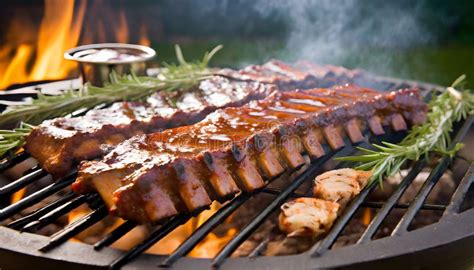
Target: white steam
[337, 32]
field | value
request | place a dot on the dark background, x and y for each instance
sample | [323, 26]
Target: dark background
[423, 40]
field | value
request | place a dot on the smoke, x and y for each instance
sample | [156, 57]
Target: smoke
[374, 35]
[352, 32]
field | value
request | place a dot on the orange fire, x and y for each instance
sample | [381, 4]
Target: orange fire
[207, 248]
[57, 32]
[18, 195]
[33, 53]
[366, 216]
[144, 40]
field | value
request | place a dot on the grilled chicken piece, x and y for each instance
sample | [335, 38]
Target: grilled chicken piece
[307, 217]
[60, 143]
[340, 185]
[151, 177]
[314, 216]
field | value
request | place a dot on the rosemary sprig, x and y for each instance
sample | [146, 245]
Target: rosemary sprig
[172, 78]
[12, 139]
[445, 109]
[182, 76]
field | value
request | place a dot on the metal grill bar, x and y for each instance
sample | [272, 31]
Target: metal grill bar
[36, 197]
[201, 232]
[42, 211]
[275, 191]
[22, 182]
[391, 202]
[76, 227]
[115, 235]
[460, 193]
[433, 178]
[259, 249]
[426, 206]
[341, 222]
[56, 213]
[154, 237]
[32, 169]
[9, 163]
[277, 202]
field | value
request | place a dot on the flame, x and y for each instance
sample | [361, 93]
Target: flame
[57, 32]
[33, 53]
[121, 29]
[144, 40]
[212, 244]
[18, 195]
[207, 248]
[95, 232]
[366, 216]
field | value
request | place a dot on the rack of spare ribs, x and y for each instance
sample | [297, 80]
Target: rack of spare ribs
[164, 162]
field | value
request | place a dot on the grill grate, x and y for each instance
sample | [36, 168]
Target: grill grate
[115, 235]
[68, 202]
[22, 182]
[382, 214]
[455, 206]
[36, 197]
[205, 229]
[154, 237]
[56, 213]
[39, 214]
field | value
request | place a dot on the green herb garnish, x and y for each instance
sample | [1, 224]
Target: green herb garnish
[172, 78]
[448, 107]
[13, 139]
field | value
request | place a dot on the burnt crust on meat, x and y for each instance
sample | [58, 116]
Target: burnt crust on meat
[152, 177]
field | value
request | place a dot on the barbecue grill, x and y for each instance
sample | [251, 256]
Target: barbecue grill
[450, 239]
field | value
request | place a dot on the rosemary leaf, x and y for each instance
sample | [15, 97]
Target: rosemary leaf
[13, 139]
[386, 159]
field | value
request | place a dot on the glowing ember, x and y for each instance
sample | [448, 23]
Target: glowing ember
[366, 216]
[18, 195]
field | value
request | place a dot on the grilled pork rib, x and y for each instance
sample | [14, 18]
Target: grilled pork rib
[151, 177]
[60, 143]
[302, 75]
